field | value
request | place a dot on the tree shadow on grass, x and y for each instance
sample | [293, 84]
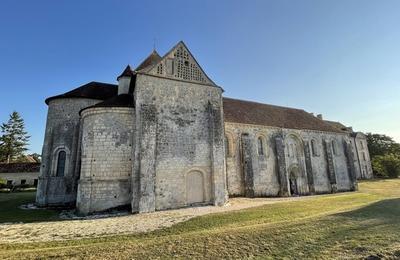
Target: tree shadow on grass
[370, 231]
[383, 210]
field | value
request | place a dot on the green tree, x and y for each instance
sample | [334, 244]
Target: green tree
[2, 155]
[387, 165]
[14, 138]
[381, 145]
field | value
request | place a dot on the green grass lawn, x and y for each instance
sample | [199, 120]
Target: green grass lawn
[10, 211]
[344, 225]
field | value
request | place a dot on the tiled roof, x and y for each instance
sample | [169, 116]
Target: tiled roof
[151, 60]
[122, 100]
[19, 167]
[235, 110]
[339, 126]
[126, 73]
[247, 112]
[95, 90]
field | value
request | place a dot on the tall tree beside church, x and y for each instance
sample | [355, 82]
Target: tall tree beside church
[382, 145]
[13, 139]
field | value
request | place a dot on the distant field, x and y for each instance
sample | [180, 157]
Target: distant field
[344, 225]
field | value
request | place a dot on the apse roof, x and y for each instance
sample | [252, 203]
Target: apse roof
[94, 90]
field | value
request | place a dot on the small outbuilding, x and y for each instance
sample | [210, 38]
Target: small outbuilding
[20, 173]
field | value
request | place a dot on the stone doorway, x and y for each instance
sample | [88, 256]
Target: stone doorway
[194, 188]
[294, 190]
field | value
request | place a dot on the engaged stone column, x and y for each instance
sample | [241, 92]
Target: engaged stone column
[280, 154]
[216, 128]
[147, 158]
[350, 165]
[45, 166]
[331, 167]
[310, 177]
[248, 166]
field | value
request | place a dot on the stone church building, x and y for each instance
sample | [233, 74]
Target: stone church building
[165, 138]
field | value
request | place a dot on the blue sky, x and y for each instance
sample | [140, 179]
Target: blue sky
[338, 58]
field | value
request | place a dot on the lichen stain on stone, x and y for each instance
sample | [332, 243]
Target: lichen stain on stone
[121, 138]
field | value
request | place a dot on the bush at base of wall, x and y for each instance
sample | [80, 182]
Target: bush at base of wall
[3, 182]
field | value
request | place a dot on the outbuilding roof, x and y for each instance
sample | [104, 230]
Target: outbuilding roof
[248, 112]
[19, 167]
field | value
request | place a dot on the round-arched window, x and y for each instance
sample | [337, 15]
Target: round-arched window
[314, 147]
[227, 145]
[260, 146]
[334, 147]
[61, 158]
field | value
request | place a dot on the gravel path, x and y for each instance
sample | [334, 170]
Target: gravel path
[128, 224]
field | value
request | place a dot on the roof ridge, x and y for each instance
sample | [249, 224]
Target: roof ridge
[332, 121]
[250, 112]
[149, 59]
[165, 55]
[98, 82]
[265, 104]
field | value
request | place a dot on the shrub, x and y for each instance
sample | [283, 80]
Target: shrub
[387, 165]
[3, 183]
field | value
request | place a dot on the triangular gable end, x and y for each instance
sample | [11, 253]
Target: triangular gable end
[180, 64]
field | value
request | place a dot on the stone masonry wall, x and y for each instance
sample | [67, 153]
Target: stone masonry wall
[107, 152]
[179, 130]
[362, 154]
[265, 178]
[62, 133]
[309, 163]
